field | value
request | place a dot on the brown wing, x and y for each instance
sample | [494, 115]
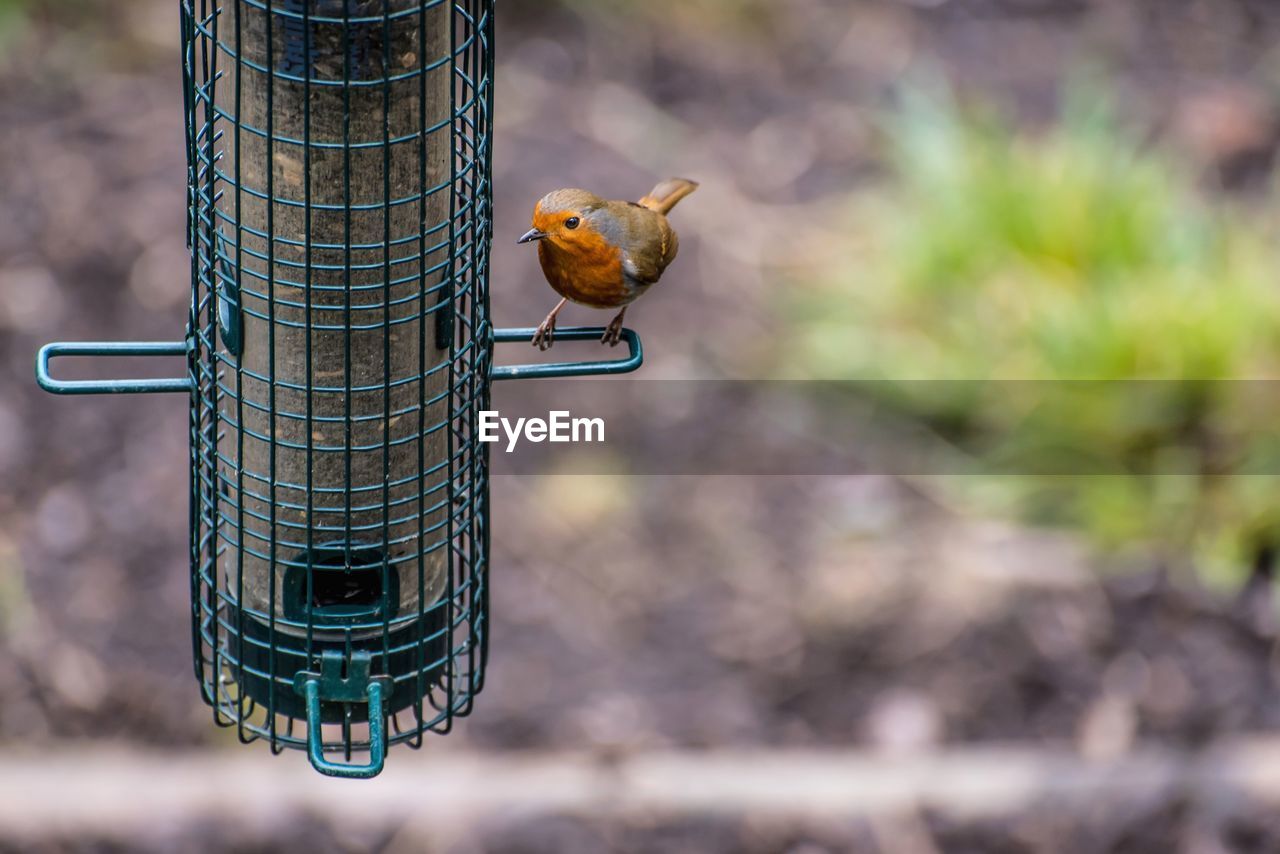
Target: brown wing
[646, 265]
[670, 245]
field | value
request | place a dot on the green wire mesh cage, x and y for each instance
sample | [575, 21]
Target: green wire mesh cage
[339, 350]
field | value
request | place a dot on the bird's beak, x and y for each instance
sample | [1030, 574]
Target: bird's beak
[532, 234]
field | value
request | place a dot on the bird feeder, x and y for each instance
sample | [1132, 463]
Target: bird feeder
[338, 349]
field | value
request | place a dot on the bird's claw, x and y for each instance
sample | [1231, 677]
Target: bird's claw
[612, 333]
[545, 335]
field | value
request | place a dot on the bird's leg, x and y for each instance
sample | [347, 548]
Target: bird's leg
[614, 332]
[546, 334]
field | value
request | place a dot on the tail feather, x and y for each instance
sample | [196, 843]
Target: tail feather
[664, 197]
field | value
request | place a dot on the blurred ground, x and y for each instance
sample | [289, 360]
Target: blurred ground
[634, 614]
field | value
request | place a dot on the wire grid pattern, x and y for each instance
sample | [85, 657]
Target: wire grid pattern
[265, 217]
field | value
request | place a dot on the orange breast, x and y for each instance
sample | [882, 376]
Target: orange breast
[587, 272]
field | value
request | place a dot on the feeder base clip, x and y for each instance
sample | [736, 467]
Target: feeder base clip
[357, 686]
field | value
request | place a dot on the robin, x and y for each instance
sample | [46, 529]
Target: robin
[603, 254]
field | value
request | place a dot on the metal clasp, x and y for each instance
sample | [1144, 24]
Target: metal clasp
[357, 686]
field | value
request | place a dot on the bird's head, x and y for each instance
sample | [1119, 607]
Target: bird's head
[564, 219]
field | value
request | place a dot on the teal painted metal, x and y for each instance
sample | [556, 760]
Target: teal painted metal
[377, 735]
[339, 348]
[111, 348]
[357, 686]
[537, 370]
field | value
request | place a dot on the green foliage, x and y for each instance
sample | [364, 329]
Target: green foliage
[13, 18]
[40, 24]
[1087, 310]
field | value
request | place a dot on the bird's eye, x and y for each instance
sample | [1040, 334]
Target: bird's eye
[571, 222]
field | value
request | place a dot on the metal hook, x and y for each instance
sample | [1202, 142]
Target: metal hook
[356, 687]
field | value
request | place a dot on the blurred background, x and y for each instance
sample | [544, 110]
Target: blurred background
[1059, 638]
